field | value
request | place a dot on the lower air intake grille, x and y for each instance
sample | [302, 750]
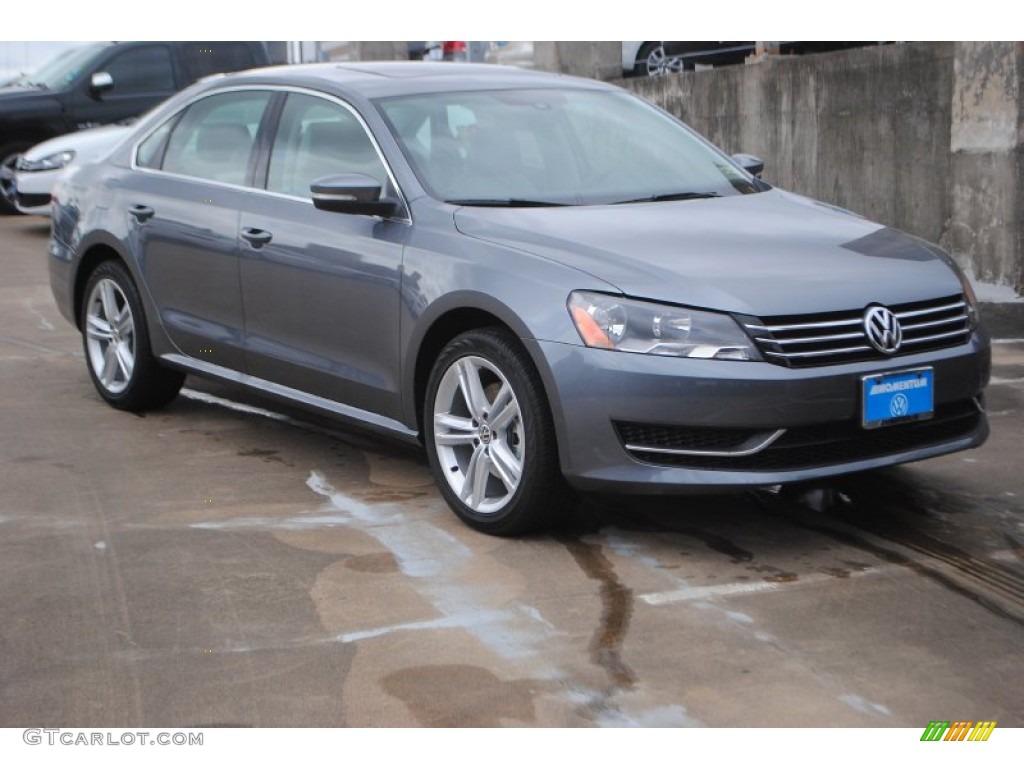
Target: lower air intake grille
[696, 439]
[821, 445]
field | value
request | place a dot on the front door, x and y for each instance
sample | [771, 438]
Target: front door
[321, 290]
[143, 76]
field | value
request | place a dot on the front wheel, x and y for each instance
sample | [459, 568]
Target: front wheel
[490, 437]
[9, 154]
[116, 342]
[651, 60]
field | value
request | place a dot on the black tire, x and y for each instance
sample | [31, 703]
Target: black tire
[8, 156]
[147, 385]
[541, 497]
[640, 65]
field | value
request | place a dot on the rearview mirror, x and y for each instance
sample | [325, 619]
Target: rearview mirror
[100, 82]
[354, 193]
[750, 164]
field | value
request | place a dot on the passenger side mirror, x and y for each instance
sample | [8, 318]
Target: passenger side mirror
[752, 165]
[100, 82]
[354, 193]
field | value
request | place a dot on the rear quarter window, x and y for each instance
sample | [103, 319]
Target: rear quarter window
[151, 152]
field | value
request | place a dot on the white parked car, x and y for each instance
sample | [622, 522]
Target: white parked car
[641, 57]
[652, 58]
[36, 171]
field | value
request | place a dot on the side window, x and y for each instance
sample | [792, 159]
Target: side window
[202, 59]
[318, 138]
[142, 70]
[214, 137]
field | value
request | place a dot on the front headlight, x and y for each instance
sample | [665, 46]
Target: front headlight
[48, 163]
[969, 297]
[628, 325]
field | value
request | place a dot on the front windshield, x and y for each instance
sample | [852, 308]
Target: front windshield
[559, 147]
[61, 71]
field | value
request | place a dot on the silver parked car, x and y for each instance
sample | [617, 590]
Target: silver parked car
[548, 282]
[35, 172]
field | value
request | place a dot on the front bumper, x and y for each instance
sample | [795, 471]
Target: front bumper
[595, 392]
[32, 190]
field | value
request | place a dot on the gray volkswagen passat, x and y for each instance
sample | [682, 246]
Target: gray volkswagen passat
[549, 282]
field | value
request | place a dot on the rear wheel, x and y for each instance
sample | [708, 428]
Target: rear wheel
[490, 438]
[116, 341]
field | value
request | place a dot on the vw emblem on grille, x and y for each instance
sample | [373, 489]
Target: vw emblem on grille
[883, 329]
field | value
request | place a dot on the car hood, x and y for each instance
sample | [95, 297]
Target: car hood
[15, 90]
[771, 253]
[15, 99]
[10, 88]
[89, 144]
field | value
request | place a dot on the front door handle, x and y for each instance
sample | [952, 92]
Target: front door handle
[141, 212]
[257, 237]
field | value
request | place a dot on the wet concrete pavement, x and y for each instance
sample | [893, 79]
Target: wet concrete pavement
[227, 561]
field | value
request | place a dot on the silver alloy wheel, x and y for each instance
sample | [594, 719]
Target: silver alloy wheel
[110, 336]
[658, 63]
[478, 434]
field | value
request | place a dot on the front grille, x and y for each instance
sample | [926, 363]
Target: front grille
[835, 443]
[802, 341]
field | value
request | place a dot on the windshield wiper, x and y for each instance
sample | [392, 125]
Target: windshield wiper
[670, 196]
[507, 202]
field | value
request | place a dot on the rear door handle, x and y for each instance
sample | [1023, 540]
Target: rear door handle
[141, 212]
[257, 237]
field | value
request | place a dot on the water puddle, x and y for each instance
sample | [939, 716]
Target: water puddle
[616, 610]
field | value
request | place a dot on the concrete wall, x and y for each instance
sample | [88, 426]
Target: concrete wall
[366, 50]
[987, 172]
[926, 137]
[598, 59]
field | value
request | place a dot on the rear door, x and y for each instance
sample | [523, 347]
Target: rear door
[183, 209]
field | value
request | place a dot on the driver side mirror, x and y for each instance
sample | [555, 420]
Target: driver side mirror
[354, 193]
[100, 82]
[752, 165]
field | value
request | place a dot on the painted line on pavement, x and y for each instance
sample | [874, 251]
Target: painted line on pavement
[742, 588]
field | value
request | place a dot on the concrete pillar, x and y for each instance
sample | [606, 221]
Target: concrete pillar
[986, 231]
[601, 60]
[377, 50]
[355, 50]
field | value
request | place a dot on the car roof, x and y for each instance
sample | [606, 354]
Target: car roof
[374, 79]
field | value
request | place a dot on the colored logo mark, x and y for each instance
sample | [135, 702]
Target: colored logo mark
[959, 730]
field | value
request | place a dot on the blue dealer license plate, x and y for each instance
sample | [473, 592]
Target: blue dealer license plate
[894, 398]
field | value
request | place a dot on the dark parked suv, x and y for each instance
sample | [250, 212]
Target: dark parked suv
[104, 83]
